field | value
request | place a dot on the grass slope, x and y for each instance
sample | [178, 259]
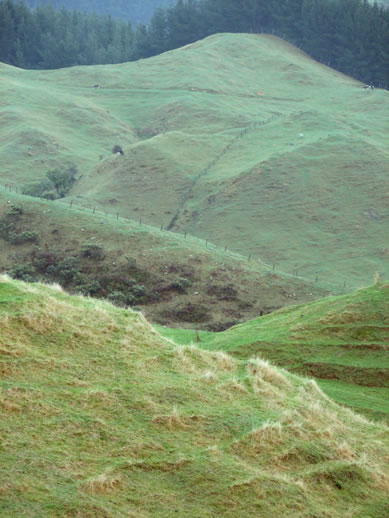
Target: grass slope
[342, 341]
[240, 139]
[187, 282]
[103, 418]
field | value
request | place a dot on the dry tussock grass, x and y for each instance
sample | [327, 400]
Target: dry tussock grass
[140, 333]
[98, 397]
[175, 420]
[4, 321]
[263, 371]
[270, 394]
[261, 441]
[8, 406]
[8, 369]
[209, 376]
[104, 483]
[281, 480]
[233, 386]
[214, 451]
[190, 359]
[269, 433]
[193, 359]
[8, 352]
[163, 466]
[224, 361]
[171, 421]
[345, 452]
[348, 316]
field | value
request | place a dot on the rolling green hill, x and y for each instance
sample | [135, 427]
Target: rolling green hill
[342, 341]
[240, 139]
[103, 418]
[175, 280]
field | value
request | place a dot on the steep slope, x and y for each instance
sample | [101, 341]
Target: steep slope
[342, 341]
[108, 419]
[240, 139]
[176, 280]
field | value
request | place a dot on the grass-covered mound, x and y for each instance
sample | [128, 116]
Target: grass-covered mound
[241, 139]
[102, 417]
[343, 341]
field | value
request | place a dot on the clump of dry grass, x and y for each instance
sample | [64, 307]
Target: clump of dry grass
[171, 421]
[234, 386]
[268, 433]
[104, 483]
[193, 359]
[209, 376]
[98, 397]
[262, 370]
[224, 361]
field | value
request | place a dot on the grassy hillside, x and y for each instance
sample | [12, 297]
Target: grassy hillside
[102, 417]
[240, 139]
[342, 341]
[175, 280]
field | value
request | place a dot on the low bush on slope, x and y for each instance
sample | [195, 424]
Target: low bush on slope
[102, 417]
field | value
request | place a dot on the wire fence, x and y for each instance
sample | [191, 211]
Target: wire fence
[194, 242]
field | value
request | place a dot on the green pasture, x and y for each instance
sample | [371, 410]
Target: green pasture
[240, 139]
[341, 341]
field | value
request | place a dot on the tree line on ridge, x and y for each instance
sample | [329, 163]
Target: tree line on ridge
[349, 35]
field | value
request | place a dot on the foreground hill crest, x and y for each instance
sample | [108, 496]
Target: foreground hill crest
[110, 419]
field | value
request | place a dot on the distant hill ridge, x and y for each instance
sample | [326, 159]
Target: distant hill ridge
[240, 139]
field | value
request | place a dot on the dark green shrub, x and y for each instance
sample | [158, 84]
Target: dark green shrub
[14, 210]
[181, 284]
[6, 228]
[18, 238]
[91, 287]
[92, 251]
[137, 291]
[62, 179]
[23, 272]
[49, 196]
[65, 270]
[38, 189]
[117, 149]
[118, 298]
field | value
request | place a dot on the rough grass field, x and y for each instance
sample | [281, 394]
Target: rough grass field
[101, 417]
[342, 341]
[186, 280]
[240, 139]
